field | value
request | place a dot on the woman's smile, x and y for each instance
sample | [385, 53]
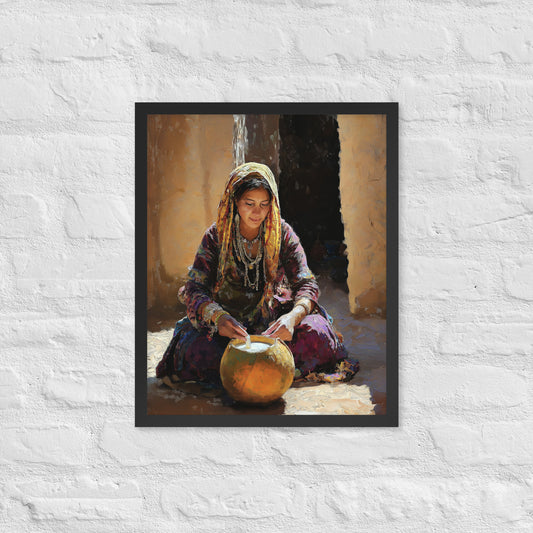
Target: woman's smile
[253, 208]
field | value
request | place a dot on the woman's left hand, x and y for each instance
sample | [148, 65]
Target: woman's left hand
[282, 328]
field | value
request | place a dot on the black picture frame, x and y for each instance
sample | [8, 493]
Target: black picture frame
[142, 111]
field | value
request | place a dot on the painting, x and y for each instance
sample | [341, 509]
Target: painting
[266, 264]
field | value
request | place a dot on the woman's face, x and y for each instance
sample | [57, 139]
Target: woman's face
[253, 207]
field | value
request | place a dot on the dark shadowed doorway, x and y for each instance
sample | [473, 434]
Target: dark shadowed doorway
[309, 189]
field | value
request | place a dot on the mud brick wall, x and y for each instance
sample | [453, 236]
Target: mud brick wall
[71, 457]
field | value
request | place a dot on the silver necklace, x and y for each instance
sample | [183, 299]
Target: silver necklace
[250, 244]
[243, 254]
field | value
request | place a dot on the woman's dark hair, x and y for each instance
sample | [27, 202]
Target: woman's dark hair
[251, 182]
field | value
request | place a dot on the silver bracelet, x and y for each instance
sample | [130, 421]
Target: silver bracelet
[210, 310]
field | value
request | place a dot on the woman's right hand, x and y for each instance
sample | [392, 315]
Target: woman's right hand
[229, 327]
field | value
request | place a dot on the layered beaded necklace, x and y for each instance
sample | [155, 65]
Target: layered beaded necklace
[243, 248]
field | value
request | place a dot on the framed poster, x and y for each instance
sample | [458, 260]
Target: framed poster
[266, 264]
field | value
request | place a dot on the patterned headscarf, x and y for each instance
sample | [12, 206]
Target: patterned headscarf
[226, 220]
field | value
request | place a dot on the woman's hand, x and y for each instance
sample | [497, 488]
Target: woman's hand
[282, 328]
[229, 327]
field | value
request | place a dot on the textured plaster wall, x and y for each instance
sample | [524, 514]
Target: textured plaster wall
[71, 458]
[363, 184]
[189, 160]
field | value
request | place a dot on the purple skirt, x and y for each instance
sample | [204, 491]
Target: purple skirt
[192, 356]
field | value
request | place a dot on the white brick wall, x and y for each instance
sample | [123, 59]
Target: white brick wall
[69, 75]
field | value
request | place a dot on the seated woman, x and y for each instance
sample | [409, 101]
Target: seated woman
[250, 276]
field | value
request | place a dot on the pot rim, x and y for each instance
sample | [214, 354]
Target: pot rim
[258, 338]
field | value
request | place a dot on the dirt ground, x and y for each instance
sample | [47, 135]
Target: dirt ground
[364, 395]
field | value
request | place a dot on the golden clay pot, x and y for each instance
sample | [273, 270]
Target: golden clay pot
[260, 376]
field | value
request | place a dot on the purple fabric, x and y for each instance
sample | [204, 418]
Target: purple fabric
[192, 356]
[315, 345]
